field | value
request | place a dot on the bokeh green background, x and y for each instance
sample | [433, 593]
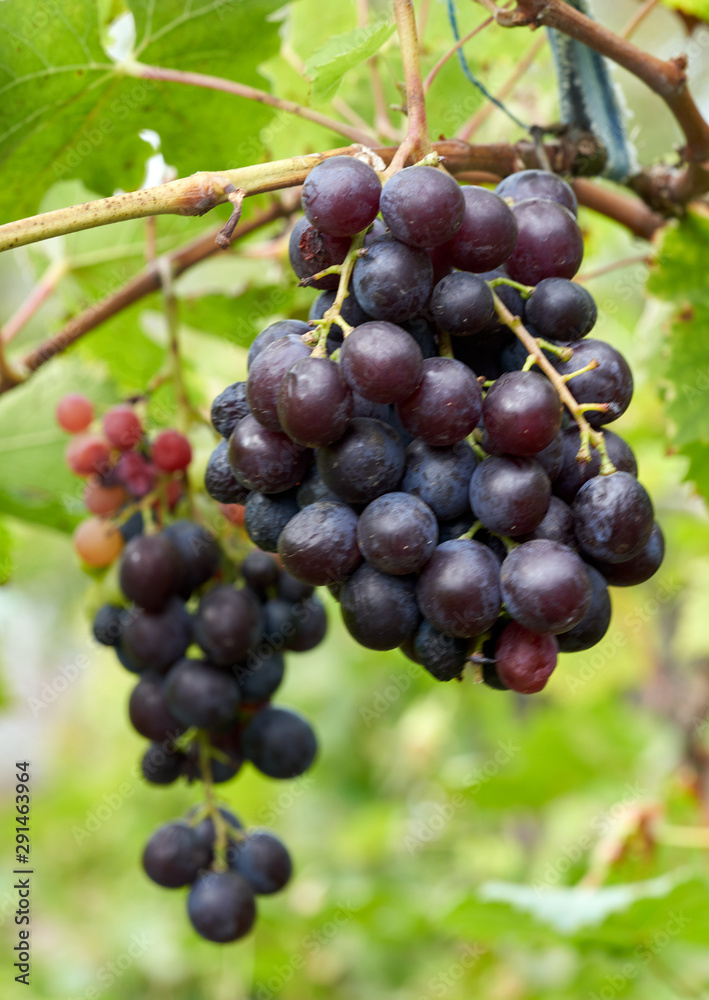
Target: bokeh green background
[451, 841]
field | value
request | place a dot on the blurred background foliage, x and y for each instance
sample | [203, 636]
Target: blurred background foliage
[451, 841]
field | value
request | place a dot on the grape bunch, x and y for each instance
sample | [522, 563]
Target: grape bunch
[400, 449]
[208, 654]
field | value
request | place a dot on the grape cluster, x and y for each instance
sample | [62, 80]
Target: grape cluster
[399, 449]
[208, 655]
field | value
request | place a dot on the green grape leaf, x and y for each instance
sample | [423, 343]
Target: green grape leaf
[697, 8]
[328, 65]
[5, 554]
[69, 110]
[238, 318]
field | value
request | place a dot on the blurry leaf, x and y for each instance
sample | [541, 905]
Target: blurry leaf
[341, 53]
[697, 8]
[237, 318]
[5, 554]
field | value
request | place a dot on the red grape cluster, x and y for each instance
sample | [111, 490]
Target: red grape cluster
[441, 493]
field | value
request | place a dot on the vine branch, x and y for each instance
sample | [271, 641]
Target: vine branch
[417, 143]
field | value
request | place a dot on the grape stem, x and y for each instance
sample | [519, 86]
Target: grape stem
[39, 294]
[417, 142]
[590, 438]
[333, 314]
[524, 290]
[221, 830]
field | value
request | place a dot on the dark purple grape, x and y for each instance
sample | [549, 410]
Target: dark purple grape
[133, 527]
[487, 235]
[366, 462]
[266, 461]
[424, 334]
[199, 551]
[109, 624]
[381, 362]
[155, 640]
[522, 413]
[341, 196]
[265, 377]
[594, 624]
[447, 405]
[293, 590]
[259, 678]
[174, 856]
[551, 458]
[641, 567]
[573, 474]
[458, 590]
[524, 661]
[227, 624]
[150, 571]
[537, 184]
[125, 660]
[311, 251]
[319, 545]
[545, 586]
[260, 572]
[265, 517]
[274, 332]
[397, 533]
[510, 495]
[298, 626]
[613, 518]
[162, 763]
[379, 610]
[314, 402]
[313, 488]
[442, 655]
[462, 304]
[221, 906]
[263, 861]
[149, 713]
[280, 743]
[219, 480]
[200, 695]
[560, 310]
[422, 206]
[557, 525]
[440, 477]
[229, 407]
[392, 281]
[440, 263]
[549, 242]
[611, 382]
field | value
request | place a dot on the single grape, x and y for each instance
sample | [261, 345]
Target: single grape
[397, 533]
[171, 451]
[381, 362]
[314, 402]
[341, 196]
[280, 743]
[458, 590]
[199, 552]
[274, 332]
[219, 479]
[229, 407]
[462, 304]
[265, 460]
[440, 477]
[259, 678]
[263, 861]
[392, 281]
[613, 517]
[510, 495]
[524, 661]
[611, 382]
[266, 374]
[136, 473]
[221, 906]
[87, 454]
[260, 572]
[150, 571]
[122, 427]
[310, 620]
[103, 501]
[641, 567]
[551, 458]
[109, 623]
[293, 590]
[594, 624]
[379, 610]
[442, 655]
[522, 413]
[560, 310]
[227, 624]
[447, 405]
[311, 251]
[422, 206]
[487, 235]
[538, 184]
[97, 543]
[149, 713]
[366, 462]
[162, 764]
[319, 545]
[557, 525]
[573, 474]
[549, 242]
[313, 488]
[174, 856]
[424, 333]
[74, 412]
[545, 586]
[125, 660]
[266, 515]
[200, 695]
[156, 640]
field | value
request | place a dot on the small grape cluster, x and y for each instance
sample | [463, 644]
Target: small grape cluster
[209, 656]
[399, 449]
